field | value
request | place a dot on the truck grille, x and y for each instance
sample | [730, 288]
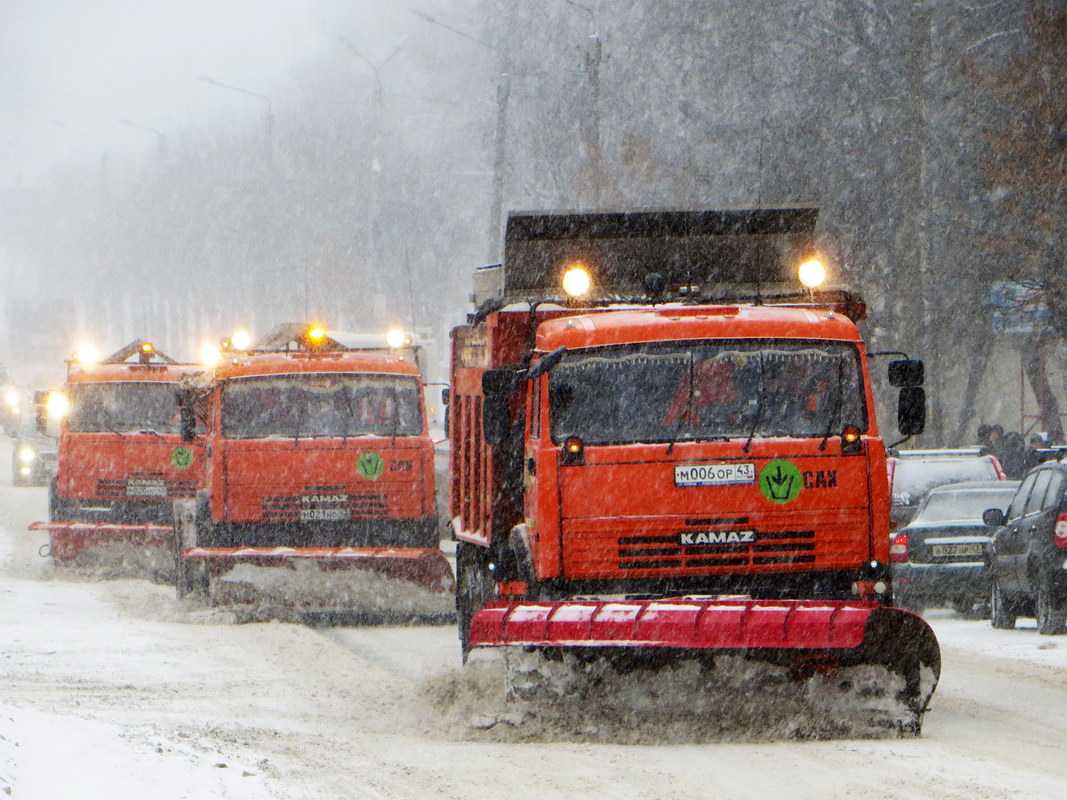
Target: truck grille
[144, 485]
[716, 547]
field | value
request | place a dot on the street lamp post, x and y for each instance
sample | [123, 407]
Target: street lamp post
[160, 134]
[374, 227]
[268, 121]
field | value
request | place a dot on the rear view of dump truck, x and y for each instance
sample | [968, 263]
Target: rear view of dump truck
[319, 493]
[121, 461]
[664, 447]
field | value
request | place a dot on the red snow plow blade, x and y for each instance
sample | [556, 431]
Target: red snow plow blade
[423, 566]
[68, 540]
[802, 634]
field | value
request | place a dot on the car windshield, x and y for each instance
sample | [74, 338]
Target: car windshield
[123, 407]
[690, 391]
[914, 478]
[321, 404]
[964, 505]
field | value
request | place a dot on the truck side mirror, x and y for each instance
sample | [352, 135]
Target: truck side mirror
[498, 385]
[993, 516]
[911, 410]
[906, 372]
[187, 424]
[445, 396]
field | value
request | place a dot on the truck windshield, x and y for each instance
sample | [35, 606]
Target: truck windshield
[321, 404]
[691, 391]
[122, 407]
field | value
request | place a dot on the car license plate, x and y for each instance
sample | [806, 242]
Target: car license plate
[714, 474]
[943, 550]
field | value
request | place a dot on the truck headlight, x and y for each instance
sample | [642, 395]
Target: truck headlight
[27, 455]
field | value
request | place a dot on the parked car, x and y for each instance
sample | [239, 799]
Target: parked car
[912, 473]
[1028, 552]
[939, 558]
[33, 456]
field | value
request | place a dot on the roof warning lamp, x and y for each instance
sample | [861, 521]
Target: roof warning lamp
[576, 281]
[812, 273]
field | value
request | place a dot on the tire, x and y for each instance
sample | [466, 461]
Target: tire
[474, 588]
[1001, 615]
[1051, 615]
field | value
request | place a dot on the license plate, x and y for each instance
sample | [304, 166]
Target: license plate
[714, 474]
[137, 488]
[324, 514]
[942, 550]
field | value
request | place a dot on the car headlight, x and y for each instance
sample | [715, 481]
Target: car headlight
[27, 455]
[11, 398]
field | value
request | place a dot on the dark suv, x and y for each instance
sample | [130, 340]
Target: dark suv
[1028, 552]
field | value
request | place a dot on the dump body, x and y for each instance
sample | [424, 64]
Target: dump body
[316, 458]
[659, 472]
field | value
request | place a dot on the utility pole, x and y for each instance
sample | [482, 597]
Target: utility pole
[500, 137]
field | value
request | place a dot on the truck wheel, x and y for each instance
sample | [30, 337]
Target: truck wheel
[1001, 615]
[474, 588]
[1051, 616]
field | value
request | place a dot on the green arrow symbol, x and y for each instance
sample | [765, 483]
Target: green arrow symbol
[780, 481]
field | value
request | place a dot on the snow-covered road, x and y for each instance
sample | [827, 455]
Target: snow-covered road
[112, 690]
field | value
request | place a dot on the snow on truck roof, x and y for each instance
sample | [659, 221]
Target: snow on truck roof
[131, 373]
[670, 323]
[248, 365]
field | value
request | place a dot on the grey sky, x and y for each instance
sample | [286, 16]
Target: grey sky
[70, 69]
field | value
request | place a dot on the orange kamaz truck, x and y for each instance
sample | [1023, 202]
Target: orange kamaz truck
[664, 446]
[319, 490]
[121, 461]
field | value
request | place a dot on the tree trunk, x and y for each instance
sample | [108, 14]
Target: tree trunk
[1047, 405]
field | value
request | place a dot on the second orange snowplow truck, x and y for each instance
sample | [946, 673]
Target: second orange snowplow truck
[663, 443]
[319, 474]
[121, 462]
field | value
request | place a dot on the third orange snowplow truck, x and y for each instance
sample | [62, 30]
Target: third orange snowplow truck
[121, 463]
[319, 468]
[664, 444]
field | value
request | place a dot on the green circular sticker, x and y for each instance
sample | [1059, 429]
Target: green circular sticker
[182, 457]
[370, 466]
[780, 481]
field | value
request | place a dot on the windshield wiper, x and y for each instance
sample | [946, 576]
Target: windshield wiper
[688, 415]
[759, 406]
[837, 403]
[149, 430]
